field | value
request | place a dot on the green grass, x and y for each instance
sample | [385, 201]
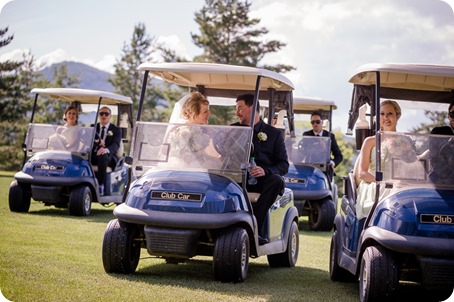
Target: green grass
[47, 255]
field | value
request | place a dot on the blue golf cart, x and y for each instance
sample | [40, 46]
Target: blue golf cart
[58, 173]
[190, 196]
[310, 176]
[407, 234]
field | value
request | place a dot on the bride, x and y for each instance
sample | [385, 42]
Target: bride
[67, 137]
[192, 143]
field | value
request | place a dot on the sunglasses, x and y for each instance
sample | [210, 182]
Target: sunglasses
[104, 113]
[316, 122]
[451, 114]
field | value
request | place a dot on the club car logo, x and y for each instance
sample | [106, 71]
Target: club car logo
[295, 180]
[437, 218]
[176, 196]
[50, 167]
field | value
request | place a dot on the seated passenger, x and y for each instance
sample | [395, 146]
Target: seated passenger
[441, 153]
[271, 157]
[67, 137]
[316, 122]
[107, 142]
[192, 145]
[390, 113]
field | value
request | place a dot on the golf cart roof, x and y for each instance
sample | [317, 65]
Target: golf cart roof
[305, 104]
[218, 76]
[83, 95]
[407, 76]
[416, 85]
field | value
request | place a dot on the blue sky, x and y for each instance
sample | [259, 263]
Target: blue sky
[326, 39]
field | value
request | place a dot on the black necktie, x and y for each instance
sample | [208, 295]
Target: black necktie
[103, 131]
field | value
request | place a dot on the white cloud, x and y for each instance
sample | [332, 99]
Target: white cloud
[15, 55]
[174, 42]
[106, 64]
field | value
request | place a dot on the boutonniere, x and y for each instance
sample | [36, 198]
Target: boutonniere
[262, 136]
[109, 133]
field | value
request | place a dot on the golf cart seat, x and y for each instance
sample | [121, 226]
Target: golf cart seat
[253, 196]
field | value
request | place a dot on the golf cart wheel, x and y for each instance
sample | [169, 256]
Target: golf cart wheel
[120, 247]
[19, 197]
[336, 272]
[378, 278]
[231, 255]
[321, 215]
[80, 201]
[289, 257]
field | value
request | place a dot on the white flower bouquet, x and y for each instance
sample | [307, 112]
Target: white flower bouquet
[189, 139]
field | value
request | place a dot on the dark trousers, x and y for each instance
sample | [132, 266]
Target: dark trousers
[269, 187]
[102, 161]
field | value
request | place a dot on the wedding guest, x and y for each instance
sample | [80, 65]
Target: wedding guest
[107, 142]
[271, 160]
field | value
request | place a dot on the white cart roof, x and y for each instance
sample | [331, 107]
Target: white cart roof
[312, 104]
[407, 76]
[218, 76]
[85, 96]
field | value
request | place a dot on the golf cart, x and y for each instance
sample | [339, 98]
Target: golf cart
[190, 196]
[310, 176]
[408, 234]
[60, 174]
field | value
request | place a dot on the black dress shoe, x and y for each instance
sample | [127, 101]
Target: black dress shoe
[262, 240]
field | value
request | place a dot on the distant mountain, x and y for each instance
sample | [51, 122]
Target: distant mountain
[89, 77]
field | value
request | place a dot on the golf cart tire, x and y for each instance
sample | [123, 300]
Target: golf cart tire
[120, 249]
[378, 277]
[321, 215]
[336, 272]
[19, 198]
[80, 201]
[290, 256]
[231, 255]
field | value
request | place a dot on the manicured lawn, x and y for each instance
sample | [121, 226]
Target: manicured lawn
[47, 255]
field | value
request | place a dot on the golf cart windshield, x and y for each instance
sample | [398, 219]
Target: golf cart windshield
[417, 159]
[162, 146]
[43, 137]
[308, 150]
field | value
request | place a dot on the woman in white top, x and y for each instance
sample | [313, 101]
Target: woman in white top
[390, 113]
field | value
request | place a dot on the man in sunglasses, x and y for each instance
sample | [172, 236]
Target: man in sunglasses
[317, 130]
[107, 142]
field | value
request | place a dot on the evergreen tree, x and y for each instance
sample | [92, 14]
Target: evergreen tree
[437, 119]
[10, 90]
[127, 80]
[16, 78]
[229, 36]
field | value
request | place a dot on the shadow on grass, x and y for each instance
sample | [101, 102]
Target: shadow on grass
[98, 213]
[276, 284]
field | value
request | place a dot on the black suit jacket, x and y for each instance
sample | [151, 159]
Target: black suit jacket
[112, 141]
[270, 154]
[335, 150]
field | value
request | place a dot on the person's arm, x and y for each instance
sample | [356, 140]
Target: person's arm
[335, 150]
[364, 160]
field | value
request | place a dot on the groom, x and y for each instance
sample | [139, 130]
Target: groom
[107, 142]
[270, 156]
